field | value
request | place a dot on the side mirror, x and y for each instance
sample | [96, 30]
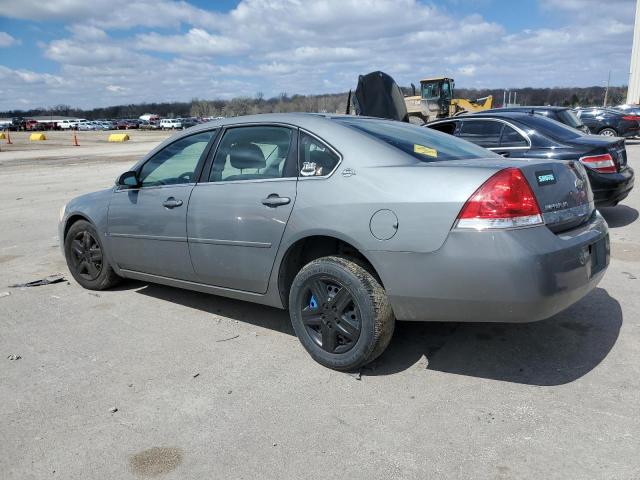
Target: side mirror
[128, 180]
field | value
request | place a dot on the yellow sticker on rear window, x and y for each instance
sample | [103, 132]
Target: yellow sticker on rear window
[422, 150]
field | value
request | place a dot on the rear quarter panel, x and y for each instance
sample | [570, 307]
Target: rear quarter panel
[425, 198]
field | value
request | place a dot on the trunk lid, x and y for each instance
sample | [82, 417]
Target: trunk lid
[563, 192]
[600, 145]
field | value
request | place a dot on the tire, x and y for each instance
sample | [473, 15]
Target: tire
[415, 120]
[608, 132]
[85, 257]
[350, 323]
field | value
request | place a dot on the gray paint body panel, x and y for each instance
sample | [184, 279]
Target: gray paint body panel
[430, 271]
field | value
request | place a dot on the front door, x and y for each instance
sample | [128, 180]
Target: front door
[238, 214]
[147, 226]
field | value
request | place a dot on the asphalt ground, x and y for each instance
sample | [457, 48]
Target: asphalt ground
[207, 387]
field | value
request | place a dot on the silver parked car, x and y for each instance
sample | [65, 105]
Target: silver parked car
[350, 223]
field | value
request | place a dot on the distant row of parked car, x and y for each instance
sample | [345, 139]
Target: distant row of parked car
[81, 124]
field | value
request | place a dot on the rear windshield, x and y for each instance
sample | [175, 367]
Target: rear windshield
[549, 127]
[569, 118]
[422, 143]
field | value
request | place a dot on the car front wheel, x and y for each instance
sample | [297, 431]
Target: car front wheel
[86, 259]
[608, 132]
[340, 313]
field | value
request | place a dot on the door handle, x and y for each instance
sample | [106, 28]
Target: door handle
[171, 203]
[275, 200]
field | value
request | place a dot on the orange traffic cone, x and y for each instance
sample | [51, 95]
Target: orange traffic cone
[75, 139]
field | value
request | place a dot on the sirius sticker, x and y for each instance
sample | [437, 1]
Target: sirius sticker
[546, 177]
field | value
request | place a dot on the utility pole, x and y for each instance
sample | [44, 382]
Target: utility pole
[606, 92]
[633, 91]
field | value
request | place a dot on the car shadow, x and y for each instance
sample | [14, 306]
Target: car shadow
[555, 351]
[550, 352]
[258, 315]
[619, 216]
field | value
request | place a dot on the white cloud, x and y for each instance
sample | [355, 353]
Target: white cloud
[195, 42]
[115, 14]
[312, 47]
[7, 40]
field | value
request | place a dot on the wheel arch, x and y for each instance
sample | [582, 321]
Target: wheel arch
[73, 218]
[310, 247]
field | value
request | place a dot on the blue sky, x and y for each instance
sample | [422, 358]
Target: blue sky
[104, 52]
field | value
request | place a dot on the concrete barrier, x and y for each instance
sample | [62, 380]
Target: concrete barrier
[37, 137]
[118, 137]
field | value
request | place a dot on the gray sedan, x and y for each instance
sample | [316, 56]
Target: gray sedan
[350, 223]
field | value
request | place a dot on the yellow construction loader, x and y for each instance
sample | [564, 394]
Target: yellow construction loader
[436, 100]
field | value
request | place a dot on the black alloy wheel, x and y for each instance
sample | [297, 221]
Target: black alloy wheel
[331, 316]
[340, 312]
[86, 255]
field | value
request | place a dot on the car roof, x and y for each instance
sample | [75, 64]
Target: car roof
[514, 115]
[527, 108]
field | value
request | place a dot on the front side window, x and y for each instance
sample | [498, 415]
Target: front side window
[316, 158]
[176, 163]
[254, 153]
[485, 133]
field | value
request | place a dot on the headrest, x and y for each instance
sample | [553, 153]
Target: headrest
[322, 159]
[246, 155]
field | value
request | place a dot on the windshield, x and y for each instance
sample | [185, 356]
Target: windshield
[421, 143]
[569, 118]
[430, 90]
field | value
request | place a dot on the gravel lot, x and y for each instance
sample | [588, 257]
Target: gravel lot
[212, 388]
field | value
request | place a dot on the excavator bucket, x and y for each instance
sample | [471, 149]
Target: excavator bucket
[378, 95]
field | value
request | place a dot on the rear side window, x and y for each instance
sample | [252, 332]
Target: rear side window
[485, 133]
[422, 143]
[512, 138]
[254, 153]
[316, 158]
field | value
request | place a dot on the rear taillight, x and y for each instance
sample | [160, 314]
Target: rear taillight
[632, 117]
[504, 201]
[599, 163]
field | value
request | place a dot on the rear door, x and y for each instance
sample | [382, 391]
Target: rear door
[238, 213]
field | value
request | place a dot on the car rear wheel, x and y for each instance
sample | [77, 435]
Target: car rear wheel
[608, 132]
[85, 258]
[340, 313]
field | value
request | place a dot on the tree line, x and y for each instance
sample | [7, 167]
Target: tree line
[326, 103]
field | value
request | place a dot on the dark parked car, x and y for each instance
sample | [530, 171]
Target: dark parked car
[629, 109]
[526, 135]
[127, 124]
[609, 122]
[561, 114]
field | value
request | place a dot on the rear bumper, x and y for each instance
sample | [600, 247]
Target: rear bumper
[509, 276]
[611, 188]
